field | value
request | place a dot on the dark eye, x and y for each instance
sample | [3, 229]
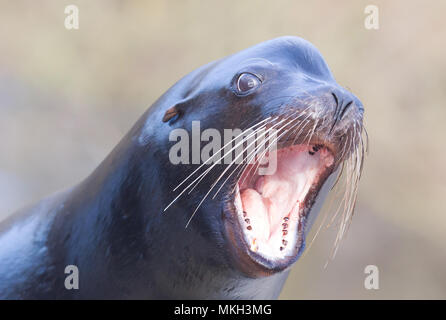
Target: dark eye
[247, 82]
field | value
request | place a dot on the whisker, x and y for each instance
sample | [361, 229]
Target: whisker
[202, 174]
[212, 187]
[216, 153]
[223, 156]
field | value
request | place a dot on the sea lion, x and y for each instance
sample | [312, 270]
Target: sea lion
[143, 227]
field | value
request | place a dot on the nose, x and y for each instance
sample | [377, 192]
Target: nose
[344, 100]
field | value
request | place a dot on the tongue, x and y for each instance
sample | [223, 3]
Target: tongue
[279, 196]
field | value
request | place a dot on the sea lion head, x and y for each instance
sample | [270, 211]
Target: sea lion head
[287, 130]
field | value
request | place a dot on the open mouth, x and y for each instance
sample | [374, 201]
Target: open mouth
[271, 209]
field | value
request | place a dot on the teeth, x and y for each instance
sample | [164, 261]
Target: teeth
[315, 149]
[284, 232]
[254, 243]
[258, 215]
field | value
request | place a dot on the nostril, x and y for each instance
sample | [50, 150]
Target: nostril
[341, 106]
[342, 102]
[336, 99]
[344, 108]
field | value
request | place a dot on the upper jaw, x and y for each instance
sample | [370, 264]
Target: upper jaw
[277, 248]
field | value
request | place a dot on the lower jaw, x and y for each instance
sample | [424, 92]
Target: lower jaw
[251, 263]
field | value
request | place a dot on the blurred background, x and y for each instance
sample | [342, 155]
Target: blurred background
[68, 96]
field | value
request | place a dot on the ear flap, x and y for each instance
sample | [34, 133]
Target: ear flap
[186, 90]
[177, 110]
[171, 113]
